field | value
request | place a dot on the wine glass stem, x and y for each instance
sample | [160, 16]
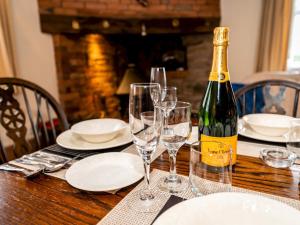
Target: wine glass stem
[147, 174]
[146, 192]
[172, 158]
[166, 121]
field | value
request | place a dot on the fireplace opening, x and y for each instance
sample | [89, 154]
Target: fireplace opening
[134, 55]
[92, 67]
[147, 51]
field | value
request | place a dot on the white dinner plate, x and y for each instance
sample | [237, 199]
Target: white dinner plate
[69, 140]
[246, 131]
[105, 171]
[230, 209]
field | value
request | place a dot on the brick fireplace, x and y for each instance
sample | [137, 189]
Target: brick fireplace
[95, 40]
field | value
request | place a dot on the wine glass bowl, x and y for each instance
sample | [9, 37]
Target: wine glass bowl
[158, 75]
[168, 99]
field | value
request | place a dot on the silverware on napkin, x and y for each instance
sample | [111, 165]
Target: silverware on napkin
[49, 157]
[26, 172]
[45, 159]
[45, 166]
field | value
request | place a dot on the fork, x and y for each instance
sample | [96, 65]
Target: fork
[27, 173]
[43, 160]
[49, 157]
[46, 167]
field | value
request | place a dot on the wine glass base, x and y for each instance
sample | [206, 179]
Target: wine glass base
[173, 186]
[146, 205]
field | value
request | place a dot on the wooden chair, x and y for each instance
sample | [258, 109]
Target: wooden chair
[30, 118]
[269, 96]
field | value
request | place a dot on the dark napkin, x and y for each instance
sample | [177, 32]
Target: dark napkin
[58, 150]
[173, 200]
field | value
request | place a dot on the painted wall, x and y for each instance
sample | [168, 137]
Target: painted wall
[243, 18]
[34, 54]
[34, 50]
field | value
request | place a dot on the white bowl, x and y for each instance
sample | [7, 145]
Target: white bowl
[99, 130]
[269, 124]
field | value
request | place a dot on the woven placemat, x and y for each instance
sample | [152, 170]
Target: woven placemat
[61, 173]
[122, 214]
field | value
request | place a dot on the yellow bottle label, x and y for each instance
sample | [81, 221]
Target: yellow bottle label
[220, 77]
[215, 154]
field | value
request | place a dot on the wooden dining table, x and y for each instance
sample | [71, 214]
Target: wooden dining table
[49, 200]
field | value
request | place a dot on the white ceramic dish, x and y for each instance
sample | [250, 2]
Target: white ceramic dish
[72, 141]
[105, 172]
[230, 209]
[246, 131]
[269, 124]
[99, 130]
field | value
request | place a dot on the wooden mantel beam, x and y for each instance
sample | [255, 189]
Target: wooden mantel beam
[56, 24]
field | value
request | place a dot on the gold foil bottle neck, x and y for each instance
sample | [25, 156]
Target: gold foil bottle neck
[221, 36]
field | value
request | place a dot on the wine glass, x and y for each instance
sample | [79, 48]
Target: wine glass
[179, 129]
[145, 126]
[168, 94]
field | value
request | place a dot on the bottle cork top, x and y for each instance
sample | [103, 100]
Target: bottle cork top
[221, 36]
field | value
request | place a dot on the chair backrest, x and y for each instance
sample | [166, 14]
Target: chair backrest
[30, 118]
[269, 96]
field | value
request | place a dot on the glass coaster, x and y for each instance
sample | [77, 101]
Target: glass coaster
[173, 186]
[278, 158]
[135, 202]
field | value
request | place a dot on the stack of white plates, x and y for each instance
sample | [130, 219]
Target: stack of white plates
[95, 134]
[265, 127]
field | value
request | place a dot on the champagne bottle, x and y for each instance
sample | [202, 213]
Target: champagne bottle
[218, 111]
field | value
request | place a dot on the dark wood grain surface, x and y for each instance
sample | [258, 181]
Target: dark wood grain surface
[48, 200]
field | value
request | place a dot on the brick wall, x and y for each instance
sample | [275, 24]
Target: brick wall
[131, 8]
[86, 69]
[86, 78]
